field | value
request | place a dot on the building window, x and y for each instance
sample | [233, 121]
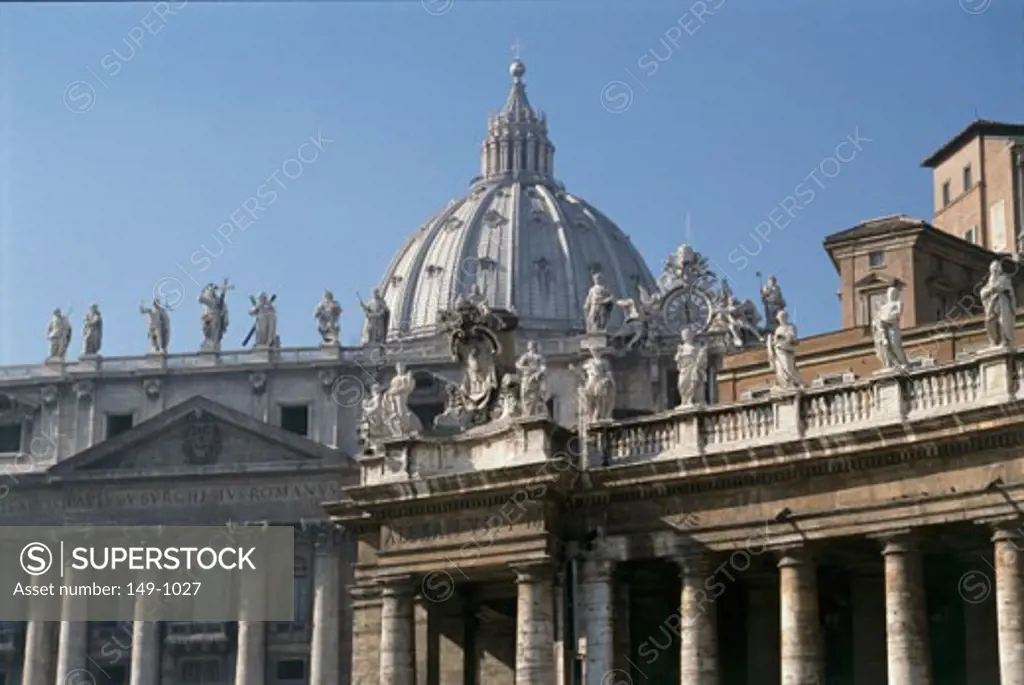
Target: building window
[968, 178]
[200, 671]
[295, 419]
[10, 438]
[876, 259]
[118, 423]
[302, 596]
[969, 235]
[946, 194]
[291, 670]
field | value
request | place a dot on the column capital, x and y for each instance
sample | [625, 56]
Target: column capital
[693, 563]
[1004, 531]
[793, 556]
[597, 570]
[396, 585]
[534, 572]
[902, 541]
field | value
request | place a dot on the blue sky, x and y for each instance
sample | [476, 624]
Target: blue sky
[130, 132]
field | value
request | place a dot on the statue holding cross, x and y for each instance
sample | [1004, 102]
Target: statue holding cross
[265, 328]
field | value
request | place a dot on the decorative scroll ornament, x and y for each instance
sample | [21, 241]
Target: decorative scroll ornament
[203, 439]
[152, 387]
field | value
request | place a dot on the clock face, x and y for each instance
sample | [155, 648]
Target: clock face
[685, 308]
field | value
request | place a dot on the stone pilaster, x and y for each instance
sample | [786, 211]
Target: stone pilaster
[698, 659]
[597, 619]
[802, 654]
[366, 634]
[867, 591]
[1009, 604]
[250, 656]
[72, 638]
[38, 665]
[145, 659]
[324, 666]
[763, 629]
[397, 636]
[534, 625]
[906, 625]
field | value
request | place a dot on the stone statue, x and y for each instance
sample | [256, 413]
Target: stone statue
[159, 327]
[372, 422]
[92, 331]
[215, 317]
[771, 297]
[328, 317]
[1000, 307]
[781, 346]
[532, 370]
[397, 416]
[266, 321]
[639, 314]
[598, 306]
[888, 338]
[508, 400]
[735, 317]
[692, 363]
[378, 316]
[597, 394]
[476, 299]
[58, 333]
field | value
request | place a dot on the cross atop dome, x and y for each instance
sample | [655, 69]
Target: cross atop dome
[517, 142]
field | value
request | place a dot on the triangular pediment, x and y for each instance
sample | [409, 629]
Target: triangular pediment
[199, 435]
[874, 280]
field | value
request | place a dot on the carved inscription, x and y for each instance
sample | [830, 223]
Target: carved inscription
[112, 497]
[483, 529]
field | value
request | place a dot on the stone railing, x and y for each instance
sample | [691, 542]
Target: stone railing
[985, 379]
[502, 444]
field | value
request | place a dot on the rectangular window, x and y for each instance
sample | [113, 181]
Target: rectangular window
[876, 259]
[968, 178]
[291, 670]
[118, 423]
[10, 438]
[947, 196]
[295, 418]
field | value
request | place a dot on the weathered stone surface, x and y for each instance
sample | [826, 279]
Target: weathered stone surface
[397, 637]
[534, 621]
[906, 627]
[802, 658]
[1009, 547]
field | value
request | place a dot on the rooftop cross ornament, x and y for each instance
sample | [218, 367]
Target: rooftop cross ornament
[516, 46]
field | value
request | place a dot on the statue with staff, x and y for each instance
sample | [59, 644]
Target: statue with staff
[215, 317]
[265, 328]
[159, 326]
[378, 316]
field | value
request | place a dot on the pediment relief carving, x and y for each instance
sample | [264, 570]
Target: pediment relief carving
[199, 440]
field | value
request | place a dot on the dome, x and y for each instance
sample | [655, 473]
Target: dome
[526, 243]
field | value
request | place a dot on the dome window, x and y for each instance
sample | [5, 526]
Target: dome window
[434, 270]
[494, 218]
[487, 263]
[453, 223]
[595, 267]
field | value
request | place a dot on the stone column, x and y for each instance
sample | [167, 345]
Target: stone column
[72, 642]
[250, 655]
[324, 666]
[596, 618]
[906, 621]
[38, 653]
[145, 659]
[534, 630]
[801, 645]
[1009, 604]
[867, 591]
[621, 599]
[366, 633]
[698, 659]
[397, 637]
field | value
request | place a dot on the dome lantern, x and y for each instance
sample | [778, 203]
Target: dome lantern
[517, 142]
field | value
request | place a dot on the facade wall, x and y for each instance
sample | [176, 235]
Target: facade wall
[965, 210]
